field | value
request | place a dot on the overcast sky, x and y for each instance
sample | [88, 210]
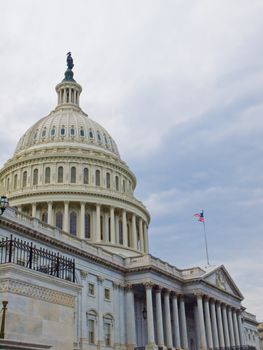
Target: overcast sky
[179, 86]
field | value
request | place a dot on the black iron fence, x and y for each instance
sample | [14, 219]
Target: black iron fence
[14, 250]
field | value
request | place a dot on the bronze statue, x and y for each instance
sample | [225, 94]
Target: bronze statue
[69, 61]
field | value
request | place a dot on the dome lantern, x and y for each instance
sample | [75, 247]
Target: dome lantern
[68, 90]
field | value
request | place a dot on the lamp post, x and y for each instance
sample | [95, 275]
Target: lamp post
[3, 204]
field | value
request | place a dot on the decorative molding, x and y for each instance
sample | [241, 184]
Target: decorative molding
[9, 285]
[83, 274]
[220, 280]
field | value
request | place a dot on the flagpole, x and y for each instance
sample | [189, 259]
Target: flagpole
[206, 246]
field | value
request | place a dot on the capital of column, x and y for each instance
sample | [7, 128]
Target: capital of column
[83, 274]
[128, 286]
[100, 279]
[158, 289]
[167, 291]
[148, 285]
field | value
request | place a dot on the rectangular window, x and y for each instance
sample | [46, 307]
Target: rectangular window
[91, 289]
[107, 294]
[91, 325]
[107, 334]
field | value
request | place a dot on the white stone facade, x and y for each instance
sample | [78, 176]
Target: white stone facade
[72, 195]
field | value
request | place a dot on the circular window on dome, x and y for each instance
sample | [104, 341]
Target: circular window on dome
[72, 131]
[63, 131]
[98, 136]
[44, 132]
[81, 132]
[53, 131]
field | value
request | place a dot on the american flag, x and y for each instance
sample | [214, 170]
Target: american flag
[200, 216]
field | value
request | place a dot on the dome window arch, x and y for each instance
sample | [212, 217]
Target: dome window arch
[85, 176]
[87, 226]
[73, 223]
[72, 131]
[63, 131]
[60, 174]
[108, 180]
[35, 177]
[53, 131]
[47, 175]
[24, 179]
[59, 220]
[73, 175]
[97, 177]
[117, 183]
[98, 136]
[81, 132]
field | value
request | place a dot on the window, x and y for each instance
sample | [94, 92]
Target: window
[105, 139]
[44, 217]
[120, 233]
[101, 228]
[53, 131]
[97, 178]
[73, 175]
[60, 174]
[109, 225]
[91, 289]
[44, 132]
[15, 182]
[35, 177]
[35, 135]
[47, 175]
[87, 225]
[81, 133]
[117, 183]
[63, 131]
[91, 134]
[24, 180]
[108, 180]
[73, 223]
[8, 184]
[98, 136]
[123, 186]
[72, 131]
[107, 294]
[59, 220]
[91, 324]
[107, 327]
[85, 176]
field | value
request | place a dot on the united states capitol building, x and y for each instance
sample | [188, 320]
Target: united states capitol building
[75, 266]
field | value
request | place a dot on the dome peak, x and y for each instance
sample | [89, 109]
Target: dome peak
[69, 73]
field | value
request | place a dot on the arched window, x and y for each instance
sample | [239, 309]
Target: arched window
[85, 176]
[53, 131]
[123, 186]
[109, 225]
[24, 179]
[117, 183]
[44, 217]
[60, 174]
[44, 132]
[35, 177]
[59, 220]
[87, 225]
[8, 184]
[73, 175]
[101, 228]
[107, 327]
[108, 180]
[72, 131]
[97, 178]
[63, 131]
[15, 182]
[105, 139]
[47, 175]
[91, 134]
[73, 223]
[128, 235]
[120, 233]
[91, 326]
[98, 136]
[81, 132]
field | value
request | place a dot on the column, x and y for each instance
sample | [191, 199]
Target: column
[220, 326]
[100, 311]
[82, 220]
[49, 213]
[209, 338]
[149, 306]
[167, 315]
[112, 225]
[141, 235]
[159, 318]
[145, 231]
[225, 324]
[183, 323]
[134, 233]
[130, 322]
[201, 321]
[230, 327]
[177, 341]
[241, 329]
[65, 218]
[236, 329]
[197, 328]
[214, 324]
[34, 208]
[98, 226]
[124, 228]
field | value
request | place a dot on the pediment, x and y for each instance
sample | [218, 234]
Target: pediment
[220, 278]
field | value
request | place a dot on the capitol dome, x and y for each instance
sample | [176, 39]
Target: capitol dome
[67, 172]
